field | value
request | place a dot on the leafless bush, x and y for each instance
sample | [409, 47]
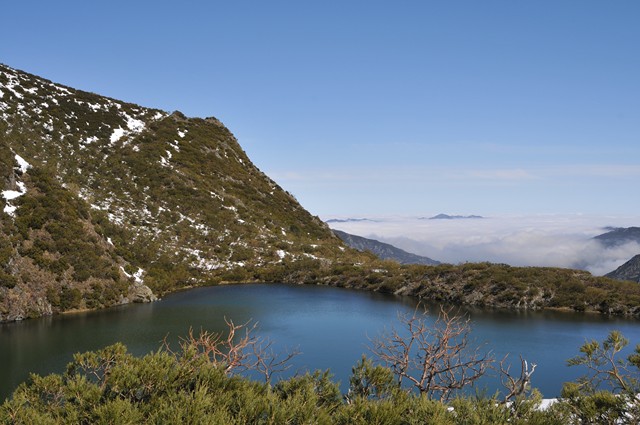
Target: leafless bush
[238, 350]
[437, 359]
[519, 386]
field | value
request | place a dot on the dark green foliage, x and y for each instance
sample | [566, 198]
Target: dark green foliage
[607, 394]
[370, 382]
[112, 386]
[63, 220]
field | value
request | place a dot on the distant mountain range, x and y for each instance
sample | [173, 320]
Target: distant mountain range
[348, 220]
[450, 217]
[628, 271]
[383, 250]
[619, 236]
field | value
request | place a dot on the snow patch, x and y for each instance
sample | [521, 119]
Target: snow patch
[116, 135]
[546, 403]
[48, 125]
[134, 125]
[125, 272]
[90, 140]
[137, 276]
[95, 107]
[9, 195]
[10, 209]
[13, 194]
[24, 165]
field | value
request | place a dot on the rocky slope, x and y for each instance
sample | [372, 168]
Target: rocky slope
[628, 271]
[383, 250]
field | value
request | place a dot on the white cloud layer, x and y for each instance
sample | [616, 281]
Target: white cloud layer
[541, 240]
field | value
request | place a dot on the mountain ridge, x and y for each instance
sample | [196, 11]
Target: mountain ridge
[382, 250]
[452, 217]
[619, 236]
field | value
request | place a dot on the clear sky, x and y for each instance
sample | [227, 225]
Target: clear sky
[377, 107]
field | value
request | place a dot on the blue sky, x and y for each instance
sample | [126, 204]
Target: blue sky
[371, 107]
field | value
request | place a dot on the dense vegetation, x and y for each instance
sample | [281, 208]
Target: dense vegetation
[191, 386]
[478, 284]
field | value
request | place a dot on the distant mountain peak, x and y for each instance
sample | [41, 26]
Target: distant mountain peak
[451, 217]
[619, 236]
[348, 220]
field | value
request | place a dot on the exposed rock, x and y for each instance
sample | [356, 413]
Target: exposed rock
[139, 293]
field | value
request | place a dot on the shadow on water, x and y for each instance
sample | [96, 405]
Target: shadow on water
[330, 326]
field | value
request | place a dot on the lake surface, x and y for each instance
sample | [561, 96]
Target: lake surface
[331, 326]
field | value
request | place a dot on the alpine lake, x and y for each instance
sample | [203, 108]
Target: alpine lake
[331, 327]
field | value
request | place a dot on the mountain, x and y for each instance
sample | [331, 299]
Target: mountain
[383, 250]
[347, 220]
[628, 271]
[104, 200]
[619, 236]
[452, 217]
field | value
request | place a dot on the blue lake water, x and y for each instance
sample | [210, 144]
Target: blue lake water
[330, 326]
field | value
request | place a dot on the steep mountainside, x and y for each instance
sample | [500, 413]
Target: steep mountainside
[619, 236]
[102, 195]
[383, 250]
[628, 271]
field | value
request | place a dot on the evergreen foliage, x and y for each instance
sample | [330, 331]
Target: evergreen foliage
[112, 386]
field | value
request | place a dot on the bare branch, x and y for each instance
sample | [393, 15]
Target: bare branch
[516, 386]
[267, 362]
[438, 360]
[237, 350]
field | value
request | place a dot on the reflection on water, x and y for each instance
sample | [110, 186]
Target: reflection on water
[330, 326]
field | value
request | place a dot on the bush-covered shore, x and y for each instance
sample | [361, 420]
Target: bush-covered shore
[473, 284]
[189, 386]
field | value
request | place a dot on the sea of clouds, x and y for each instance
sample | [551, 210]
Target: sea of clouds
[536, 240]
